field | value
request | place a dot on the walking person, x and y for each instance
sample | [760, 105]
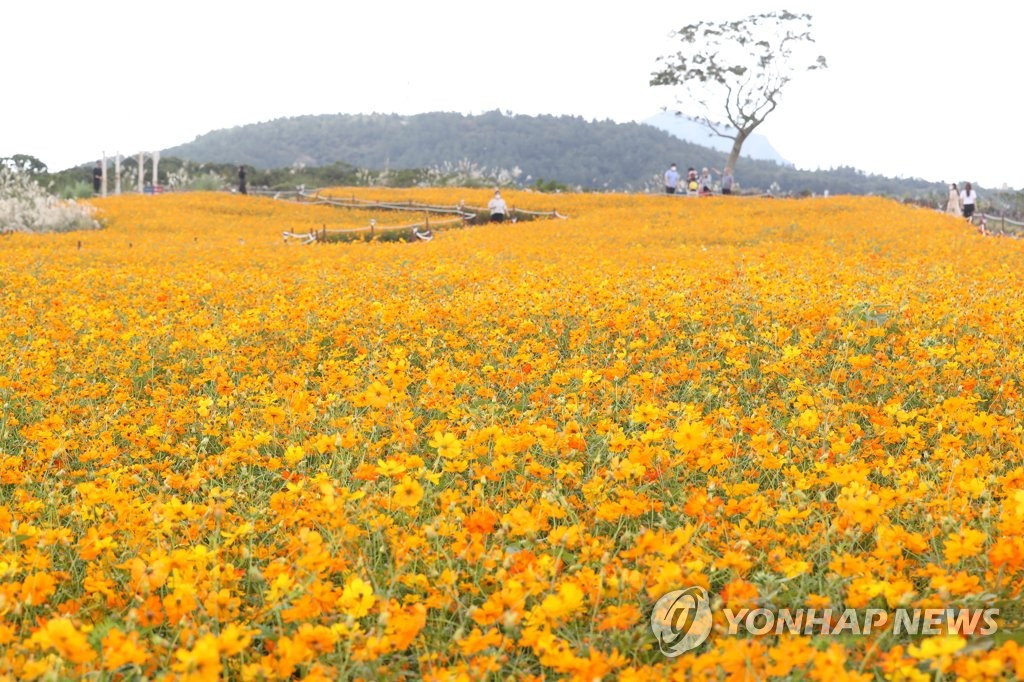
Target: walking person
[727, 181]
[671, 179]
[97, 178]
[953, 202]
[968, 200]
[241, 180]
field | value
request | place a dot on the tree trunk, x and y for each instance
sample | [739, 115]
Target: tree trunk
[737, 145]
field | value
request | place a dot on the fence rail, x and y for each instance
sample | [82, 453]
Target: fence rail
[1000, 224]
[460, 216]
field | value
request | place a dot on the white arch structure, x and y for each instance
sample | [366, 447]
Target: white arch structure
[117, 172]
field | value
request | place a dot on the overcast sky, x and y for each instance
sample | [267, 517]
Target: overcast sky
[913, 88]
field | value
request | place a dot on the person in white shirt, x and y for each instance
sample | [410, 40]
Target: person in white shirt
[968, 199]
[671, 179]
[498, 208]
[705, 182]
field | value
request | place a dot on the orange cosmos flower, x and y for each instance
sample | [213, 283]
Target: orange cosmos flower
[68, 641]
[964, 544]
[201, 663]
[37, 588]
[274, 415]
[120, 650]
[620, 617]
[148, 575]
[689, 436]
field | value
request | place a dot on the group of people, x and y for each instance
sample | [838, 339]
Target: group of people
[962, 201]
[697, 185]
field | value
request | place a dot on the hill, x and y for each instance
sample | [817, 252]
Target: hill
[598, 154]
[511, 149]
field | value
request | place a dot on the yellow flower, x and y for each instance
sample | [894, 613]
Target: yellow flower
[408, 492]
[294, 454]
[938, 650]
[234, 639]
[567, 601]
[356, 598]
[378, 395]
[201, 662]
[446, 444]
[808, 421]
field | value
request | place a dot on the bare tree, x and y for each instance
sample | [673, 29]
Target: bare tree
[736, 70]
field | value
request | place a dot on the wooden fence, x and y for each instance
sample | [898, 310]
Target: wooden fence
[444, 217]
[1000, 224]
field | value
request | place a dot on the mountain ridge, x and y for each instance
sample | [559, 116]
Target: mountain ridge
[508, 149]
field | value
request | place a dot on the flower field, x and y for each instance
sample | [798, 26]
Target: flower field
[487, 456]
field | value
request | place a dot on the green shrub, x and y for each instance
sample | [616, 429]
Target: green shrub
[207, 182]
[76, 190]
